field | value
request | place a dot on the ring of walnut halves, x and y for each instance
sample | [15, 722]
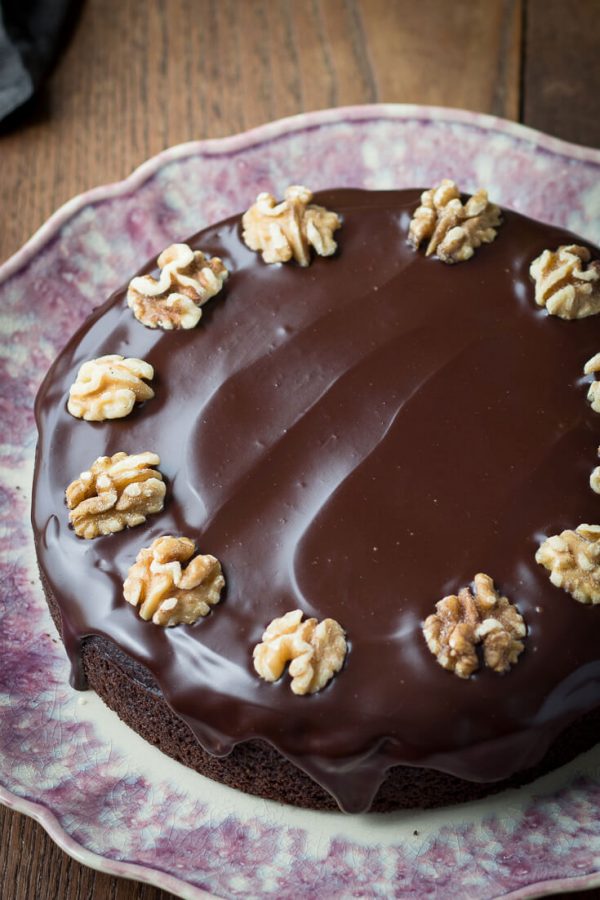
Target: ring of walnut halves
[464, 621]
[121, 490]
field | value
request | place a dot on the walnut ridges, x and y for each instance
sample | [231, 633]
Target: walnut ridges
[109, 387]
[453, 230]
[462, 622]
[187, 280]
[314, 650]
[167, 592]
[116, 492]
[564, 285]
[573, 561]
[289, 229]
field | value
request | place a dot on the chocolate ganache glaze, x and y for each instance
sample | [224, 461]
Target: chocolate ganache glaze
[356, 439]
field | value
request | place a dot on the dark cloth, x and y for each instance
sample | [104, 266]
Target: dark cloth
[32, 34]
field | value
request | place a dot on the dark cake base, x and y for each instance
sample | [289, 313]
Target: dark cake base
[257, 768]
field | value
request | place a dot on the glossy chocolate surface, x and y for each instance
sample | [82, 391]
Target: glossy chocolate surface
[356, 439]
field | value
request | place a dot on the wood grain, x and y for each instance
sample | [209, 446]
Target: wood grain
[138, 77]
[561, 87]
[33, 868]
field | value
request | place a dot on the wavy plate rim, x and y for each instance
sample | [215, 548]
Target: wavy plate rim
[270, 131]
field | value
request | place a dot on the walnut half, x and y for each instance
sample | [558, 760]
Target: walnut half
[108, 388]
[573, 560]
[187, 280]
[454, 230]
[116, 492]
[168, 593]
[595, 478]
[563, 285]
[315, 651]
[462, 622]
[591, 367]
[286, 230]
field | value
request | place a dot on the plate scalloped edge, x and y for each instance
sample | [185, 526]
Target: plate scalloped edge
[221, 147]
[271, 130]
[52, 826]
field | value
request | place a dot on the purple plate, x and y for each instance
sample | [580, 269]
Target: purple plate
[105, 796]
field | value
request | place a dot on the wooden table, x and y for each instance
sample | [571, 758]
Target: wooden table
[138, 77]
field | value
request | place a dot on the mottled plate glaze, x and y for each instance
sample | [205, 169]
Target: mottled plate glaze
[104, 795]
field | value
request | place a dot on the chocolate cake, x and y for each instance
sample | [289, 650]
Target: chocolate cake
[358, 435]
